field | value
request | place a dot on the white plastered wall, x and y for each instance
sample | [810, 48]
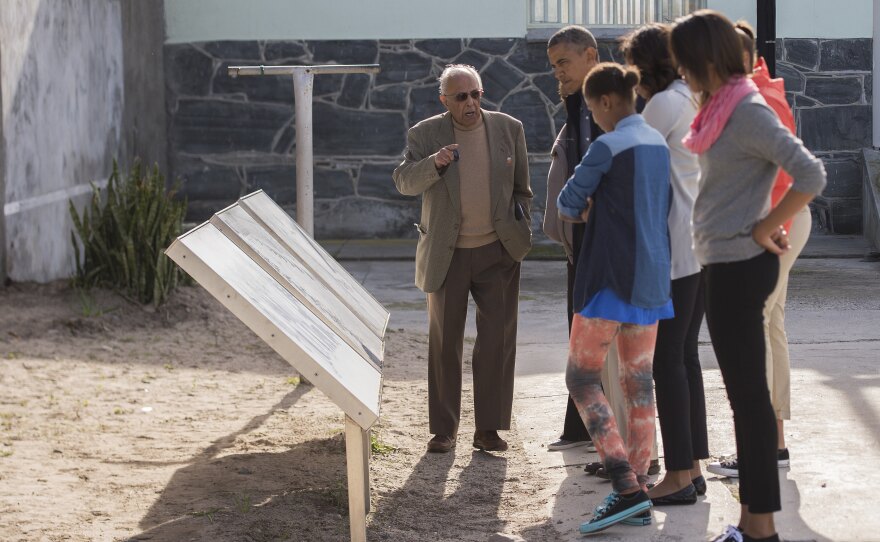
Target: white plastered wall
[807, 18]
[208, 20]
[62, 85]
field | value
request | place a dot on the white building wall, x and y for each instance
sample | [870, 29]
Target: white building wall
[807, 18]
[62, 92]
[824, 19]
[736, 9]
[207, 20]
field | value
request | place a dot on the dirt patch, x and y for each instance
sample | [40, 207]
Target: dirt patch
[124, 423]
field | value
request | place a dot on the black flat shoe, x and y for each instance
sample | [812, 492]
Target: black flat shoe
[699, 484]
[592, 467]
[685, 495]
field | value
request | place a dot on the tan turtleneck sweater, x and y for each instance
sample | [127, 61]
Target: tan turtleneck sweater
[474, 170]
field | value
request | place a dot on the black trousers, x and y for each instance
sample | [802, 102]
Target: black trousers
[574, 429]
[678, 378]
[735, 297]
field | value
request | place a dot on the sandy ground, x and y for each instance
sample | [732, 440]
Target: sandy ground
[119, 423]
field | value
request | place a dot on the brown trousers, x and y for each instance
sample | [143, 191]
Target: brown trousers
[491, 276]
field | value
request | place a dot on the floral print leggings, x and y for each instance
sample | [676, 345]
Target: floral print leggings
[626, 463]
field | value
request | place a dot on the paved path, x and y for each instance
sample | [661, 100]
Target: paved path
[834, 436]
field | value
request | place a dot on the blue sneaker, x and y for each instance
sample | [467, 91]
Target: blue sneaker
[606, 502]
[639, 520]
[620, 507]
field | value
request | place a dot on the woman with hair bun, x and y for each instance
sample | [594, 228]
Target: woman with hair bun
[621, 189]
[678, 377]
[738, 239]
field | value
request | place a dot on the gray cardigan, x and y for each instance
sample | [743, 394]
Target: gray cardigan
[737, 175]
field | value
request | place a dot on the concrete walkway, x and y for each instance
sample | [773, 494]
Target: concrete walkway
[834, 437]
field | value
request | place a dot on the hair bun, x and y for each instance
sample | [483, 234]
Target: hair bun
[611, 78]
[631, 77]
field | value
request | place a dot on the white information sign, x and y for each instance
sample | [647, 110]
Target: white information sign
[249, 235]
[274, 219]
[303, 339]
[285, 287]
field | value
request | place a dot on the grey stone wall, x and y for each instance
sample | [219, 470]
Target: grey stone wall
[228, 137]
[871, 197]
[829, 85]
[231, 136]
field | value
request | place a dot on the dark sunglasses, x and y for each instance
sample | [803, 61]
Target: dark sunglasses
[462, 96]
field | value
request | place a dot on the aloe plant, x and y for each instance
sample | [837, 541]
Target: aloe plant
[124, 234]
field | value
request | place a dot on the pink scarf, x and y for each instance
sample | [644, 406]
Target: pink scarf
[713, 116]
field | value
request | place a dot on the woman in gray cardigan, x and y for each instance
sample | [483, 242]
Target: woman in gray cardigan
[738, 239]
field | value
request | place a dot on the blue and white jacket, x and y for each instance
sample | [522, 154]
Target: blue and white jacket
[626, 242]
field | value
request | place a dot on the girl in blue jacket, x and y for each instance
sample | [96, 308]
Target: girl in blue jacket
[622, 288]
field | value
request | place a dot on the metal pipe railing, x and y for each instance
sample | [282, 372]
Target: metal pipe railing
[608, 12]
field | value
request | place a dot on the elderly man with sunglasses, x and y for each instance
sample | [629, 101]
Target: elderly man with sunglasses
[470, 166]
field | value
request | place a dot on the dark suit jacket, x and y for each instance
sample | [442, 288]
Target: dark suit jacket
[441, 199]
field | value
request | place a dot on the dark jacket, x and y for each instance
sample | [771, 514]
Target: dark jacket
[441, 199]
[566, 154]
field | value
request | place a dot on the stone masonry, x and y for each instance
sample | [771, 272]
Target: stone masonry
[228, 137]
[829, 85]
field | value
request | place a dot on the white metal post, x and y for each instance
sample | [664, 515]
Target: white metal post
[303, 82]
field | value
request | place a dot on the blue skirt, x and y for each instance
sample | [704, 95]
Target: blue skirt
[609, 306]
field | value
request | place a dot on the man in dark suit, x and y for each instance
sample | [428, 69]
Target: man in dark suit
[573, 52]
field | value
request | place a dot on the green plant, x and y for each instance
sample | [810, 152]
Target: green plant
[378, 447]
[89, 306]
[209, 513]
[242, 503]
[337, 496]
[124, 236]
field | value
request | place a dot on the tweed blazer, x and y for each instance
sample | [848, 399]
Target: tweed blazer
[441, 198]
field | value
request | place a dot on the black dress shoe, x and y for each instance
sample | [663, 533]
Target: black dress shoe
[592, 467]
[441, 444]
[699, 484]
[685, 495]
[653, 469]
[489, 441]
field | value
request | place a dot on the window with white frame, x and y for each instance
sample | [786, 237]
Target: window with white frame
[611, 13]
